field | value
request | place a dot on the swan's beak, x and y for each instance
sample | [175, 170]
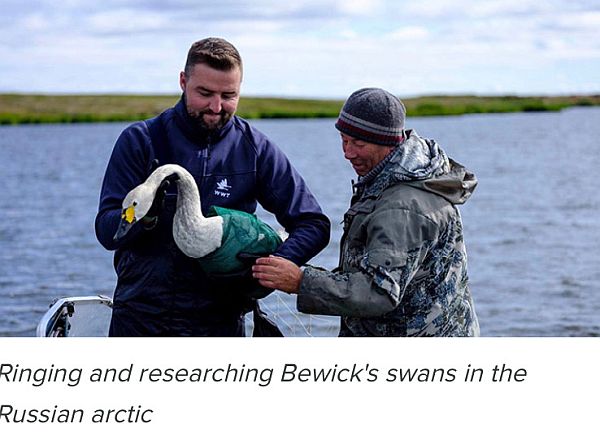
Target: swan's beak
[127, 221]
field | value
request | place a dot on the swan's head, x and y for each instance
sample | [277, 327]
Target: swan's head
[138, 203]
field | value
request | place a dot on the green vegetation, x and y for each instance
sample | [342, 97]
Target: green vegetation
[35, 108]
[456, 105]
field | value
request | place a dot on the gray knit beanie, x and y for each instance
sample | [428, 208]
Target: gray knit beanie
[373, 115]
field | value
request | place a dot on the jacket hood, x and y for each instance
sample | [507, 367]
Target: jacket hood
[423, 164]
[456, 186]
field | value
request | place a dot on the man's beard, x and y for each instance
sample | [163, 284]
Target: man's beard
[198, 117]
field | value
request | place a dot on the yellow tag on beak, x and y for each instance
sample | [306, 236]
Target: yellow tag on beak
[129, 214]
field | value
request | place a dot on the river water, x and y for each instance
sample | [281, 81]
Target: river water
[532, 228]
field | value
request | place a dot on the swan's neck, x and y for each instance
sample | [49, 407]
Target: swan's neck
[188, 200]
[194, 234]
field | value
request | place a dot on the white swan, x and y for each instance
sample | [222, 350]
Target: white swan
[195, 235]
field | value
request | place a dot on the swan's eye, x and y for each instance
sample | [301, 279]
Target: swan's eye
[134, 203]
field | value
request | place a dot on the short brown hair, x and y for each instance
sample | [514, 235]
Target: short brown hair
[215, 52]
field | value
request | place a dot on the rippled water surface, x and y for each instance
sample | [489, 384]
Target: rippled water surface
[532, 226]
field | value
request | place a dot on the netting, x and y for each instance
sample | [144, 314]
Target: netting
[242, 232]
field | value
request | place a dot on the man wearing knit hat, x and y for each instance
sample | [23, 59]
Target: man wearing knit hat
[403, 265]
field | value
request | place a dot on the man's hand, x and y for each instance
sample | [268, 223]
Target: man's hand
[150, 220]
[279, 273]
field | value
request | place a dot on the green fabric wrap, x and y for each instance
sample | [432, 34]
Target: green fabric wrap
[242, 232]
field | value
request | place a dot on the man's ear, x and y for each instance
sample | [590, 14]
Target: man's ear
[182, 81]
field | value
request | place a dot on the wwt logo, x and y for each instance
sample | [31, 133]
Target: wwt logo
[223, 188]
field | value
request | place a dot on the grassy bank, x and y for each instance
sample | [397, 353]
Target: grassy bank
[32, 108]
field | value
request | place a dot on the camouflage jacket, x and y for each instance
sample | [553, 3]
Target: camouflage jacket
[403, 264]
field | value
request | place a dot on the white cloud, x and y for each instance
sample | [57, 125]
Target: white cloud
[360, 7]
[314, 48]
[409, 33]
[126, 21]
[35, 23]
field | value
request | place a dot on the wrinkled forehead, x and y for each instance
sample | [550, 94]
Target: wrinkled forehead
[353, 140]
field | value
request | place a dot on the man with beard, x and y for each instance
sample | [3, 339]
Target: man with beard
[160, 291]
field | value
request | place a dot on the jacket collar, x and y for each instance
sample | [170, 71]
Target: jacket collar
[366, 181]
[195, 133]
[416, 159]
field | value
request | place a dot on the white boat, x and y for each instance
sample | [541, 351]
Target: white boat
[79, 316]
[89, 316]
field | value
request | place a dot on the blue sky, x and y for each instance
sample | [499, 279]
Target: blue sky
[324, 48]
